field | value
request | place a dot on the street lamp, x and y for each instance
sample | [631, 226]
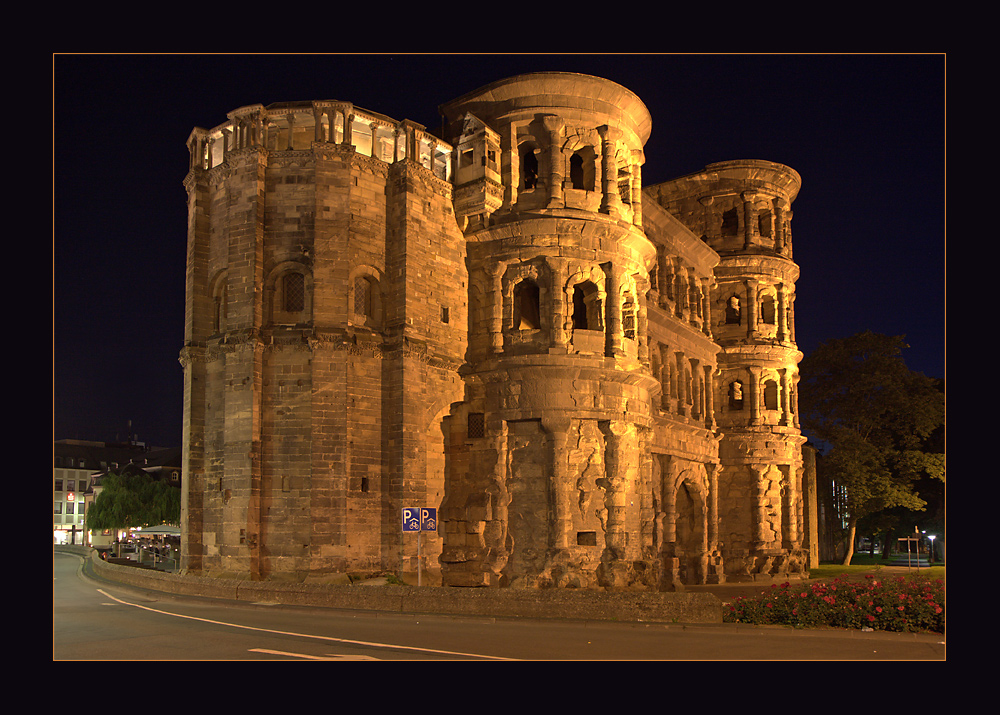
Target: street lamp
[932, 537]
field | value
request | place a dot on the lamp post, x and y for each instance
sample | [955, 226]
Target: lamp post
[932, 537]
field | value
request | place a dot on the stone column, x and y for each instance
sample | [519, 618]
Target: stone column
[560, 486]
[613, 310]
[554, 127]
[291, 130]
[641, 324]
[760, 521]
[348, 133]
[681, 384]
[495, 274]
[751, 286]
[782, 313]
[712, 470]
[709, 397]
[749, 225]
[779, 226]
[754, 386]
[611, 201]
[617, 444]
[557, 269]
[636, 189]
[706, 309]
[785, 403]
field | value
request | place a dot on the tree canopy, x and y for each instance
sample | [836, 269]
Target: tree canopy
[129, 500]
[877, 417]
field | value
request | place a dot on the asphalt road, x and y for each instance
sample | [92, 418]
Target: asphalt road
[99, 620]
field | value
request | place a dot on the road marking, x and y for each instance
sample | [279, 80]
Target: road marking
[305, 635]
[331, 656]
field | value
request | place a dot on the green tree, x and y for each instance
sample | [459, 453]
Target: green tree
[857, 395]
[128, 500]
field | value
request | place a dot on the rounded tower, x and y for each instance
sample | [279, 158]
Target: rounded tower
[742, 209]
[545, 454]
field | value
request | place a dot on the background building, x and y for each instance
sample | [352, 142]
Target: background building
[592, 382]
[77, 468]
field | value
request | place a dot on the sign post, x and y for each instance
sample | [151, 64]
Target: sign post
[419, 520]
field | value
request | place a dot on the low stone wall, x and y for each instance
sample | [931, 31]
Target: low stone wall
[625, 606]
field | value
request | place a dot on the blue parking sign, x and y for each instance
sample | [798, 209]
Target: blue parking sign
[411, 519]
[419, 519]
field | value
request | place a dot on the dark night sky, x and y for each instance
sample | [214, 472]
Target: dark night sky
[865, 132]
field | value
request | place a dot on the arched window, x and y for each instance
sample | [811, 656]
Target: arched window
[220, 303]
[583, 169]
[529, 168]
[770, 395]
[736, 396]
[526, 306]
[767, 310]
[293, 292]
[733, 311]
[221, 308]
[730, 222]
[586, 307]
[367, 301]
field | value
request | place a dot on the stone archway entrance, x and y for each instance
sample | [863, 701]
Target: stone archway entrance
[690, 528]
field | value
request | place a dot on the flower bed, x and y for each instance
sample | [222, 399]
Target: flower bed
[903, 603]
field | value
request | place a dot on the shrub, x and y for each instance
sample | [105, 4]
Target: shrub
[903, 603]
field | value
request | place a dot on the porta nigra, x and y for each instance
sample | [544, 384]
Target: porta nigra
[592, 381]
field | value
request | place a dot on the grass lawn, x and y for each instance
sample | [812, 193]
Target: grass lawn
[864, 564]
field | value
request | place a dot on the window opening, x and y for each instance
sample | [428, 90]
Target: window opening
[576, 171]
[529, 168]
[477, 425]
[293, 287]
[579, 310]
[733, 311]
[736, 396]
[526, 299]
[770, 395]
[767, 310]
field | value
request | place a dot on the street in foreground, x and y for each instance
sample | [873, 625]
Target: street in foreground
[99, 620]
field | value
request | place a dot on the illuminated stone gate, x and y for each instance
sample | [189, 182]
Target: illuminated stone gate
[593, 382]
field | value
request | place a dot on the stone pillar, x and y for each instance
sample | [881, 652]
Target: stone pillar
[681, 384]
[641, 324]
[760, 521]
[709, 397]
[613, 310]
[706, 310]
[754, 386]
[494, 273]
[749, 225]
[637, 188]
[560, 486]
[617, 444]
[782, 313]
[554, 126]
[751, 286]
[562, 306]
[611, 201]
[779, 227]
[785, 401]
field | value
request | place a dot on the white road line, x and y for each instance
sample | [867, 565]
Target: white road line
[331, 656]
[304, 635]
